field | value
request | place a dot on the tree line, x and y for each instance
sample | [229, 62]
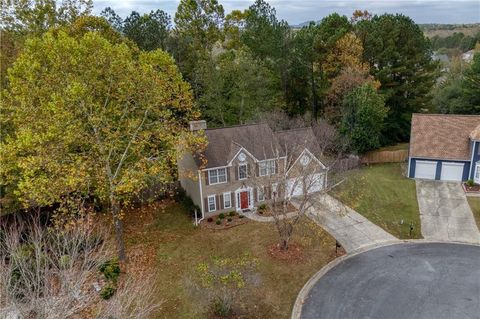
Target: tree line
[248, 62]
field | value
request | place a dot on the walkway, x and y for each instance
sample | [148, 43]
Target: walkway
[445, 213]
[350, 229]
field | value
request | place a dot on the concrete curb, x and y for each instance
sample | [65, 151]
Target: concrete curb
[302, 295]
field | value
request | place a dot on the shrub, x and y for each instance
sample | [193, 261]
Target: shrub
[262, 207]
[218, 222]
[241, 216]
[107, 291]
[470, 183]
[221, 216]
[229, 219]
[232, 213]
[209, 219]
[111, 269]
[182, 197]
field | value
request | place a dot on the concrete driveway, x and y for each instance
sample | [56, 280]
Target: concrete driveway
[350, 229]
[405, 281]
[445, 213]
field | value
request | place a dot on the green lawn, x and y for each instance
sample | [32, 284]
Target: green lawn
[383, 195]
[164, 238]
[475, 206]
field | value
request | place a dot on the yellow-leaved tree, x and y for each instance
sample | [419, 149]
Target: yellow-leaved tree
[84, 116]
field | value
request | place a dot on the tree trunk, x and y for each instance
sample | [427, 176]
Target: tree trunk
[117, 222]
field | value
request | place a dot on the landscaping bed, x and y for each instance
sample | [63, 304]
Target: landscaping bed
[224, 221]
[163, 239]
[385, 196]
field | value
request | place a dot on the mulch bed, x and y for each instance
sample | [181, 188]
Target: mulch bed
[294, 254]
[225, 224]
[471, 189]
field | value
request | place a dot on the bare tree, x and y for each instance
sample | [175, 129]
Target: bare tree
[49, 273]
[298, 176]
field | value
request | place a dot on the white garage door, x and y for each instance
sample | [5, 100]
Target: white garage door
[452, 172]
[314, 184]
[425, 169]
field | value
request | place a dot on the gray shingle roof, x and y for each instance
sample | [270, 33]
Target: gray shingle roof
[442, 136]
[224, 143]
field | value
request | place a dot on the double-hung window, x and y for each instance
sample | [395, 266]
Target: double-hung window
[217, 176]
[261, 194]
[227, 200]
[267, 167]
[212, 204]
[242, 171]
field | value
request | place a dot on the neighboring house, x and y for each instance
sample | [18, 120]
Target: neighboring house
[235, 170]
[445, 147]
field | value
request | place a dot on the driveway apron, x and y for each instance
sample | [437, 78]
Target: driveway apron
[444, 212]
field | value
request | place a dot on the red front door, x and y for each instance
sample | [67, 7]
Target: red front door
[244, 200]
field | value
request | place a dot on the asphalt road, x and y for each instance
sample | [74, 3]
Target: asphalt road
[405, 281]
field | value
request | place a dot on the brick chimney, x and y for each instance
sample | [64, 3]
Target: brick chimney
[198, 125]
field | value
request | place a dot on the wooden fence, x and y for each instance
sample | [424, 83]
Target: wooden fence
[374, 157]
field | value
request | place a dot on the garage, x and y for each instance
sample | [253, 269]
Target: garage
[314, 184]
[425, 169]
[452, 171]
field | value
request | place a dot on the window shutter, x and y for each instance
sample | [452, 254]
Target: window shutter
[236, 172]
[207, 182]
[268, 192]
[221, 202]
[227, 171]
[205, 201]
[255, 195]
[233, 199]
[276, 166]
[217, 198]
[257, 169]
[249, 173]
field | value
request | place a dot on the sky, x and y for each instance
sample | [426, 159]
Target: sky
[298, 11]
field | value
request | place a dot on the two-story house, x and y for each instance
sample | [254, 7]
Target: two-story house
[235, 170]
[445, 147]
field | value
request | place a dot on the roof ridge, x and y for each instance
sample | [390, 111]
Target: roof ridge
[294, 129]
[233, 126]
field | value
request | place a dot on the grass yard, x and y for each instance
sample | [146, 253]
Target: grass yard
[161, 238]
[383, 195]
[475, 206]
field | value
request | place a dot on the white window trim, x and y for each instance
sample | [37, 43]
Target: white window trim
[267, 170]
[262, 190]
[246, 172]
[218, 179]
[214, 203]
[230, 201]
[476, 170]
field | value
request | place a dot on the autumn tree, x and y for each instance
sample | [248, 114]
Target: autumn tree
[94, 118]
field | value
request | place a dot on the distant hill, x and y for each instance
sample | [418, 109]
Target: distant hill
[430, 29]
[445, 30]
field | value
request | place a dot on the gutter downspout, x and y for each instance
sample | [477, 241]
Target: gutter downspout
[201, 197]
